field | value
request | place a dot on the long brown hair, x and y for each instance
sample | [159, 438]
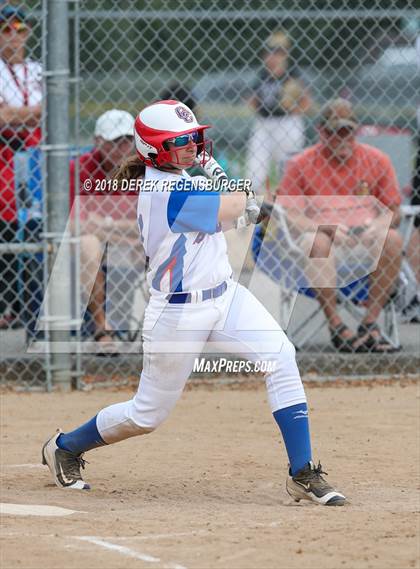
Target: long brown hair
[131, 169]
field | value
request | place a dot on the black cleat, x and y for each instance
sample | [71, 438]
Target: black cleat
[64, 466]
[308, 484]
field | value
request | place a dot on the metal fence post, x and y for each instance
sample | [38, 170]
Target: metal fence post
[57, 152]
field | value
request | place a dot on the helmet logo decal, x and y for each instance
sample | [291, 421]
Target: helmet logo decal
[184, 114]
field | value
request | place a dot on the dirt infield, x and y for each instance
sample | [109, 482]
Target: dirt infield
[207, 489]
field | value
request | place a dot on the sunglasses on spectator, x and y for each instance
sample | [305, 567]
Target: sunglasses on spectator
[341, 132]
[14, 26]
[184, 139]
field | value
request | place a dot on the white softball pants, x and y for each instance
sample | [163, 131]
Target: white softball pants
[273, 139]
[176, 334]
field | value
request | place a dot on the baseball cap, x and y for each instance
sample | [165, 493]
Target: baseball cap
[113, 124]
[12, 13]
[337, 114]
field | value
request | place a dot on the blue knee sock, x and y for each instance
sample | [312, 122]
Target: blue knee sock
[294, 426]
[81, 439]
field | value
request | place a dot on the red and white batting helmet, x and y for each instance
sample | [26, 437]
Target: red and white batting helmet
[163, 121]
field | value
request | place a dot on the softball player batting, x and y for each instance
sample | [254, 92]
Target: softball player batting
[193, 300]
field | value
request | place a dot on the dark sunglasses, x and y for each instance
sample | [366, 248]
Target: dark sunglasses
[184, 139]
[342, 132]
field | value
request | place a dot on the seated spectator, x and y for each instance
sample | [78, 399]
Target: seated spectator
[20, 117]
[338, 165]
[104, 217]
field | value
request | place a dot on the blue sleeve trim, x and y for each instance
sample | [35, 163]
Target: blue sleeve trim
[194, 210]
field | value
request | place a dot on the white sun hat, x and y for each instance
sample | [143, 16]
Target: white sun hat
[113, 124]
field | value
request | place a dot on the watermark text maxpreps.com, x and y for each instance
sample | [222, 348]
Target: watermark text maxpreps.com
[203, 365]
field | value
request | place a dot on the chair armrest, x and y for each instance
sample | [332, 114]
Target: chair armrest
[281, 217]
[408, 213]
[410, 210]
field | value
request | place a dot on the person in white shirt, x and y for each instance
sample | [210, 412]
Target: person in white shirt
[280, 101]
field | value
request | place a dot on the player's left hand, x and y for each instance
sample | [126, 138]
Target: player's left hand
[254, 213]
[252, 209]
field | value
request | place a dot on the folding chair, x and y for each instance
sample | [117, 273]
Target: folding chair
[126, 294]
[278, 256]
[126, 291]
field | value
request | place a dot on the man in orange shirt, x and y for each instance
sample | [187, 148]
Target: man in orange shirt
[334, 182]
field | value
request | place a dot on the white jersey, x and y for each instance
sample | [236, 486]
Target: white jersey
[182, 238]
[20, 81]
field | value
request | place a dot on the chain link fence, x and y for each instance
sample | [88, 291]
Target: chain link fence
[262, 77]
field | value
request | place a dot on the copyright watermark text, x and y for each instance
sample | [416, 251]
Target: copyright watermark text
[137, 185]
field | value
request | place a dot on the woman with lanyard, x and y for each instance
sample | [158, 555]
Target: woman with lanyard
[20, 115]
